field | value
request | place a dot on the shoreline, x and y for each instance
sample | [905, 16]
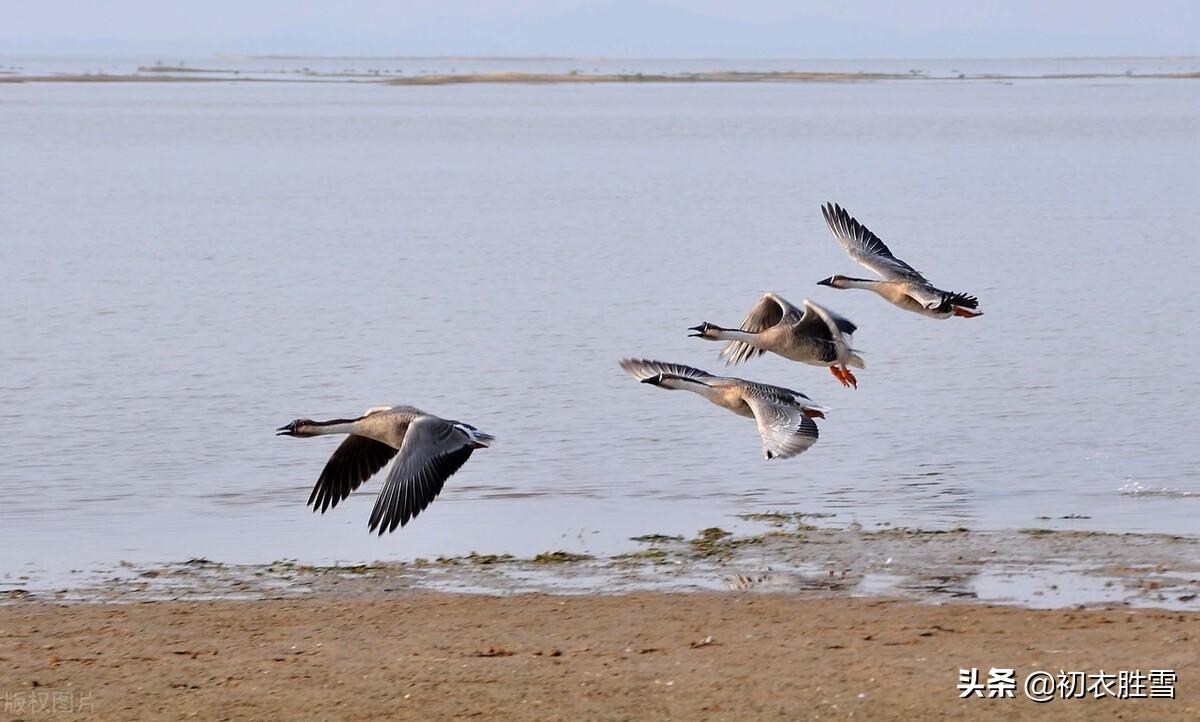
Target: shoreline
[170, 74]
[726, 656]
[775, 553]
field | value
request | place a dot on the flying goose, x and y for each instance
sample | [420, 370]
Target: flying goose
[814, 336]
[430, 449]
[785, 417]
[902, 284]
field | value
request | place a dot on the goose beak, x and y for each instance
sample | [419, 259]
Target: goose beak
[826, 282]
[699, 331]
[285, 430]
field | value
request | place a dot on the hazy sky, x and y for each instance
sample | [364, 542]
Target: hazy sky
[658, 28]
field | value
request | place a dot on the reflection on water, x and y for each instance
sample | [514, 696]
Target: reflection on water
[187, 267]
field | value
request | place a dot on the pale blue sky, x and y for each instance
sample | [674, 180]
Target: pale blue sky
[661, 28]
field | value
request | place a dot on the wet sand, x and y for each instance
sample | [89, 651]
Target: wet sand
[649, 656]
[1041, 568]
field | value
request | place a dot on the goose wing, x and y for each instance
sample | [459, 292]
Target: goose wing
[354, 461]
[865, 248]
[835, 323]
[432, 450]
[770, 310]
[642, 369]
[785, 430]
[820, 323]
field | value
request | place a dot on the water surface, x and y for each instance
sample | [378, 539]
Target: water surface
[186, 267]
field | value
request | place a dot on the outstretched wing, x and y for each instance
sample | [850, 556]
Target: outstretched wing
[865, 248]
[642, 369]
[785, 429]
[433, 449]
[354, 461]
[769, 311]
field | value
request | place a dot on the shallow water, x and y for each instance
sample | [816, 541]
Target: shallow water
[186, 267]
[1032, 568]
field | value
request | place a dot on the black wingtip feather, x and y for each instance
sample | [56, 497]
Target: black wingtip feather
[964, 300]
[354, 461]
[405, 501]
[845, 325]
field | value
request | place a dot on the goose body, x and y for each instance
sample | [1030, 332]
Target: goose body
[900, 284]
[814, 335]
[785, 417]
[427, 451]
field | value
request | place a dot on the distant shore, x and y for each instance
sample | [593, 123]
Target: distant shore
[649, 656]
[172, 74]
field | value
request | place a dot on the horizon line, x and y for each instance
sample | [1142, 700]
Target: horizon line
[586, 58]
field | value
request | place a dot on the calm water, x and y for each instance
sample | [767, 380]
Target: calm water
[185, 267]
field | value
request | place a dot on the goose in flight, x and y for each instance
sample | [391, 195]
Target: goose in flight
[785, 417]
[430, 450]
[902, 284]
[814, 336]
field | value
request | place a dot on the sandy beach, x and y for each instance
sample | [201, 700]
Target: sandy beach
[722, 656]
[799, 622]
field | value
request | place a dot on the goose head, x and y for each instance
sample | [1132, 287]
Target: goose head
[299, 427]
[704, 330]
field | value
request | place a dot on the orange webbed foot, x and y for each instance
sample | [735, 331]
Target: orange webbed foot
[843, 375]
[966, 312]
[850, 377]
[840, 375]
